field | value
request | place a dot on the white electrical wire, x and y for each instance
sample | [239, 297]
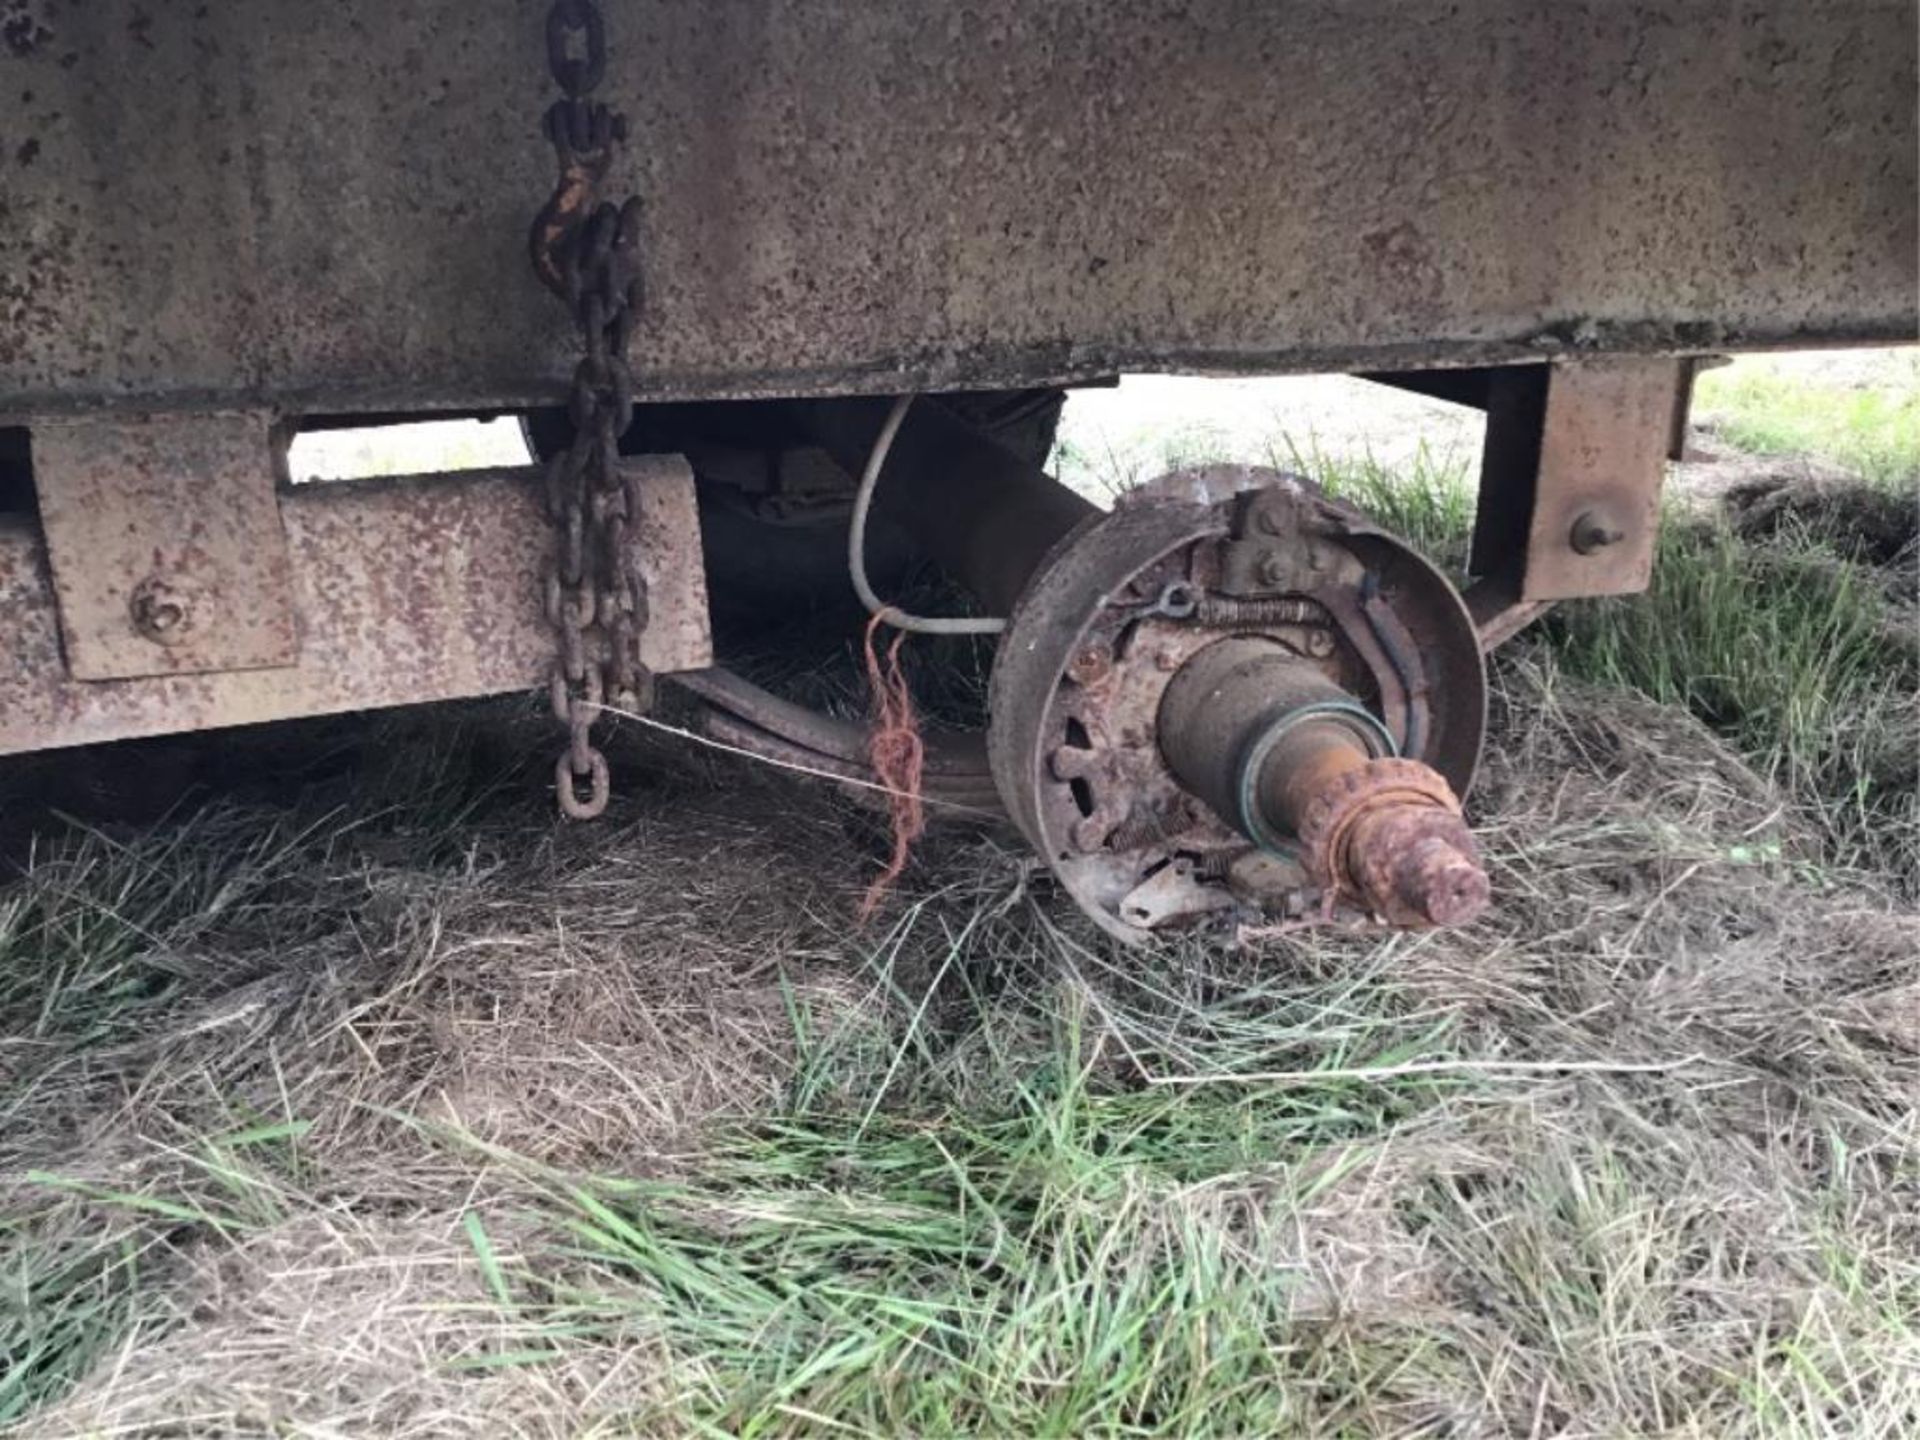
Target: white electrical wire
[857, 548]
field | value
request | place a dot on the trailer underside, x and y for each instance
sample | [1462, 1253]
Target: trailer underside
[223, 226]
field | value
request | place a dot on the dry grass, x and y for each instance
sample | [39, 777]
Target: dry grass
[214, 1026]
[669, 1022]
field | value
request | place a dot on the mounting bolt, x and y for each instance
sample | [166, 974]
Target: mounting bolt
[1273, 570]
[1592, 531]
[161, 612]
[1090, 666]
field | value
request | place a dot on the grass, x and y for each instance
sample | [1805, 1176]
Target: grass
[1867, 421]
[998, 1229]
[360, 1099]
[1042, 1272]
[99, 930]
[976, 1173]
[1790, 652]
[1427, 500]
[82, 1256]
[71, 1295]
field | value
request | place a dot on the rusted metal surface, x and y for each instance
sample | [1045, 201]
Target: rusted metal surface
[1570, 479]
[1241, 722]
[665, 540]
[1515, 400]
[423, 588]
[1139, 772]
[166, 545]
[1388, 835]
[1294, 762]
[1603, 455]
[1317, 578]
[323, 207]
[1498, 612]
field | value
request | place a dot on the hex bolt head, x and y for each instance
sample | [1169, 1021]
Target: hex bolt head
[1593, 532]
[161, 612]
[1273, 571]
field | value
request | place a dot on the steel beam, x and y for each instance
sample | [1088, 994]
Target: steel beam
[324, 208]
[405, 590]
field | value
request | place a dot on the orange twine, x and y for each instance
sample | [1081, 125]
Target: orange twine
[896, 753]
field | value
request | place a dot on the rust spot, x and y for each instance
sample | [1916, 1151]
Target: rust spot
[160, 611]
[563, 212]
[1091, 665]
[584, 135]
[28, 152]
[1417, 865]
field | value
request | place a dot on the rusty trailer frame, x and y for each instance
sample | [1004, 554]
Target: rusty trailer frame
[322, 208]
[221, 220]
[401, 590]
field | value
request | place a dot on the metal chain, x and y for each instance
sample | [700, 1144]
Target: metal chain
[585, 250]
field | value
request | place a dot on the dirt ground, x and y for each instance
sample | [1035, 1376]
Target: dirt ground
[301, 1026]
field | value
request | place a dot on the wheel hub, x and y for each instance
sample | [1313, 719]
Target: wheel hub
[1234, 698]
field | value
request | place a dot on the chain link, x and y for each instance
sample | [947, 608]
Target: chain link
[586, 250]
